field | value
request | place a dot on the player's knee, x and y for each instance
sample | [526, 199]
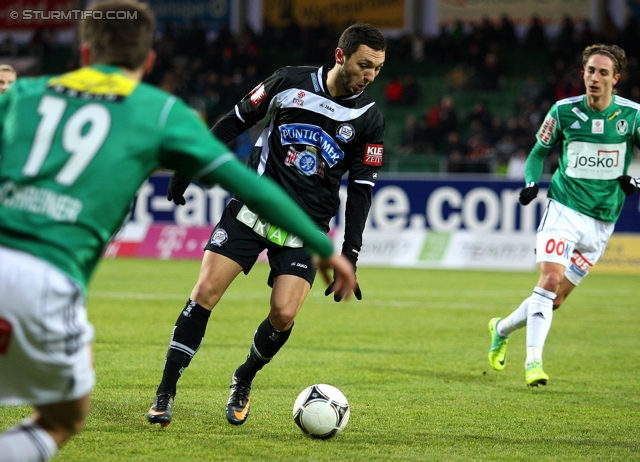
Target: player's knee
[282, 319]
[206, 294]
[551, 281]
[62, 427]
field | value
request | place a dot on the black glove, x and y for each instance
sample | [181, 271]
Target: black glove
[629, 184]
[528, 193]
[336, 296]
[177, 186]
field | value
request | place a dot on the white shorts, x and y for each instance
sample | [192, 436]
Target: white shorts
[571, 239]
[45, 337]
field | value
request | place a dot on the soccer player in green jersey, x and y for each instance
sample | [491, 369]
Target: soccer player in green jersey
[598, 131]
[75, 149]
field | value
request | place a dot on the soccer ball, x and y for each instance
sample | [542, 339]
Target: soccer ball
[321, 411]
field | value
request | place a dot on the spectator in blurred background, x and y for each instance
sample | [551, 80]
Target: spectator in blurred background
[394, 91]
[8, 47]
[410, 136]
[411, 92]
[516, 165]
[455, 152]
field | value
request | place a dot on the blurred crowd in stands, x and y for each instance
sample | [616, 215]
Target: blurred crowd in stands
[479, 141]
[213, 71]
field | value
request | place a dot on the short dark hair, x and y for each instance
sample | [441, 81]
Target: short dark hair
[361, 34]
[119, 32]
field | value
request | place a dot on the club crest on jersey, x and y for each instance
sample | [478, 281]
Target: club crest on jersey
[299, 100]
[306, 161]
[345, 133]
[312, 135]
[622, 127]
[373, 154]
[258, 94]
[597, 126]
[219, 237]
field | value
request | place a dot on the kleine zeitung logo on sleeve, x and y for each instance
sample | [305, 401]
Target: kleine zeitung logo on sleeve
[373, 154]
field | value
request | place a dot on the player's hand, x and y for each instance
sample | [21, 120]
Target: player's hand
[177, 186]
[337, 296]
[528, 193]
[344, 277]
[629, 184]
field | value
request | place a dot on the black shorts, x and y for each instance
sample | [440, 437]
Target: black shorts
[237, 241]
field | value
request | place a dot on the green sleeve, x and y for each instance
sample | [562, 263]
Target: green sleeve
[4, 104]
[265, 197]
[535, 163]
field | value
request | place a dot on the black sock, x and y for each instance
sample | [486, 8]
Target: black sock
[267, 341]
[186, 339]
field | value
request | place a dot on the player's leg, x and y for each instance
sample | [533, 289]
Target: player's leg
[559, 280]
[45, 356]
[539, 318]
[292, 273]
[232, 248]
[555, 242]
[217, 272]
[62, 420]
[500, 329]
[567, 243]
[287, 297]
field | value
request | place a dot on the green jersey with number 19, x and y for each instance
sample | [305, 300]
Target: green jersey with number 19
[75, 148]
[597, 147]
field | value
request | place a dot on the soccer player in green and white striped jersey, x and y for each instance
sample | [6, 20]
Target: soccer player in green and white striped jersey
[75, 149]
[598, 131]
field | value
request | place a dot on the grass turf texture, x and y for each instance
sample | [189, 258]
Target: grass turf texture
[411, 358]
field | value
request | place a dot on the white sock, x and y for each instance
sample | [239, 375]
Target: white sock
[514, 321]
[26, 442]
[539, 316]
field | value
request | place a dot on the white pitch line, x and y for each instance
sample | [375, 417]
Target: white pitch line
[160, 296]
[386, 297]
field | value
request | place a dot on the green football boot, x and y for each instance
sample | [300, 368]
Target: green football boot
[534, 375]
[498, 350]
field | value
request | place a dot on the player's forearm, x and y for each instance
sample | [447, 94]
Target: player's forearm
[535, 163]
[356, 212]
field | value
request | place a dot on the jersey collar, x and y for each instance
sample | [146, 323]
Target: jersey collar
[322, 80]
[107, 69]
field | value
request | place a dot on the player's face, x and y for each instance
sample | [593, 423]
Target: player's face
[6, 80]
[599, 76]
[361, 69]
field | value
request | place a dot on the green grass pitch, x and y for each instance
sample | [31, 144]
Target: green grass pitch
[411, 357]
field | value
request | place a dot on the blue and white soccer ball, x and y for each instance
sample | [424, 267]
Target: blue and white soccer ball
[321, 411]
